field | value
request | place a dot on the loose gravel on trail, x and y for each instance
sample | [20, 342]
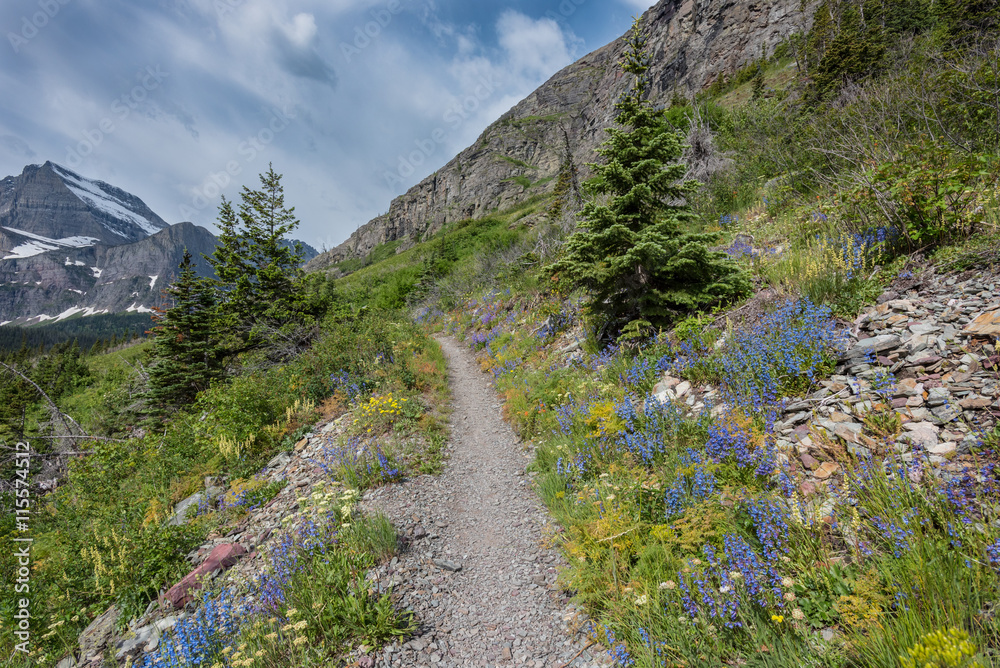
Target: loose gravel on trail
[473, 566]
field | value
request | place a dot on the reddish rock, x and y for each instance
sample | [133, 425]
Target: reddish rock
[807, 488]
[975, 402]
[221, 558]
[809, 462]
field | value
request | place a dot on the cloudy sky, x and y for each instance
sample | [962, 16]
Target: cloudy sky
[181, 101]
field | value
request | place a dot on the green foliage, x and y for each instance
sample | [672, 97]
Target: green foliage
[186, 354]
[256, 268]
[931, 191]
[949, 648]
[631, 255]
[333, 597]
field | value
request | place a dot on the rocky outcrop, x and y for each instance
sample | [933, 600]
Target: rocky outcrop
[691, 43]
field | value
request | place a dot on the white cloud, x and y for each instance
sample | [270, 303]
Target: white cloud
[535, 48]
[639, 5]
[302, 30]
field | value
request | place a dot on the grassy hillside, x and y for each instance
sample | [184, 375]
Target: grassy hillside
[833, 171]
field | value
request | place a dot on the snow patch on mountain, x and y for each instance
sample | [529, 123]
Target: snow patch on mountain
[40, 244]
[94, 194]
[83, 311]
[152, 281]
[138, 309]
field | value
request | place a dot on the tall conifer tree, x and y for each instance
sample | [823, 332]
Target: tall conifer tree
[631, 253]
[186, 353]
[255, 266]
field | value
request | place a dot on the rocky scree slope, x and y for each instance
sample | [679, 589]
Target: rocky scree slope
[927, 351]
[690, 44]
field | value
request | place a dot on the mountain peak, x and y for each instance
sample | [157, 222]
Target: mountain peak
[49, 207]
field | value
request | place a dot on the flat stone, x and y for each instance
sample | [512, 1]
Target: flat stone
[943, 449]
[826, 469]
[447, 565]
[984, 324]
[874, 344]
[900, 305]
[849, 435]
[917, 426]
[946, 413]
[682, 388]
[130, 647]
[972, 403]
[925, 437]
[281, 460]
[921, 329]
[181, 509]
[809, 462]
[220, 558]
[887, 296]
[96, 636]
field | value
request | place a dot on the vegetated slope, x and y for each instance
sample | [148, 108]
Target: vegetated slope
[520, 155]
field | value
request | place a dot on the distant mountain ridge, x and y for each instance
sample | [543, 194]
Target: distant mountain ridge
[690, 42]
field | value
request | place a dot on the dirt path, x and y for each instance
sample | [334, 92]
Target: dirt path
[480, 516]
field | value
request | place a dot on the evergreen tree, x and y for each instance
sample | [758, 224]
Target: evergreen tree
[256, 268]
[186, 353]
[631, 253]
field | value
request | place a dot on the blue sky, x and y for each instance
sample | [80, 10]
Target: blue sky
[182, 101]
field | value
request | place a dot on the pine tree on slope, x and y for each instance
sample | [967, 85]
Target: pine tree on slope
[631, 253]
[186, 354]
[256, 272]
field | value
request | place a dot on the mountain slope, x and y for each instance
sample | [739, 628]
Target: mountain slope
[690, 45]
[49, 207]
[98, 278]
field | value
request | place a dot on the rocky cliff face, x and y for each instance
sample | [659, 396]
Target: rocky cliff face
[691, 43]
[98, 278]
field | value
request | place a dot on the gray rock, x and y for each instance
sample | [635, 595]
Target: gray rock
[875, 344]
[921, 329]
[181, 509]
[97, 636]
[946, 413]
[447, 565]
[280, 460]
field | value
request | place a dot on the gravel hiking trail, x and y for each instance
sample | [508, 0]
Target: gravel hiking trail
[473, 566]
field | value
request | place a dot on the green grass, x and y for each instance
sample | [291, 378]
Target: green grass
[516, 162]
[101, 537]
